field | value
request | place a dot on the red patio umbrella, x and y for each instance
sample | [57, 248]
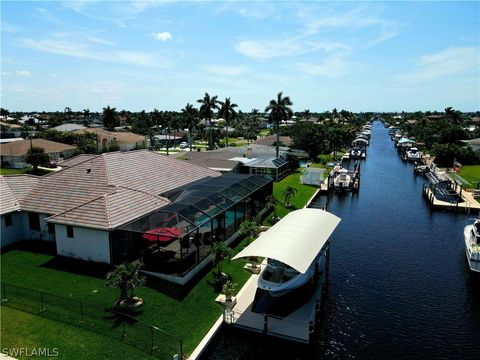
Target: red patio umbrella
[163, 234]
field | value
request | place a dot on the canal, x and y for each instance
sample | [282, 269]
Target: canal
[399, 282]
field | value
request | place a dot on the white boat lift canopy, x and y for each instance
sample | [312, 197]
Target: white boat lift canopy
[296, 239]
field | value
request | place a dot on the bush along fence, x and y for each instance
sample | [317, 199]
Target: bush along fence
[95, 318]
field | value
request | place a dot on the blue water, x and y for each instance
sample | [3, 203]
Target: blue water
[399, 281]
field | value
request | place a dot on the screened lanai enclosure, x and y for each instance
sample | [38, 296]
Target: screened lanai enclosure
[174, 239]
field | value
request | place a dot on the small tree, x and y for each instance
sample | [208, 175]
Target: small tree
[272, 202]
[228, 289]
[125, 277]
[220, 252]
[289, 192]
[36, 156]
[250, 228]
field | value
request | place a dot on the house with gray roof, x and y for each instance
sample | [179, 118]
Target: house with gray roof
[112, 207]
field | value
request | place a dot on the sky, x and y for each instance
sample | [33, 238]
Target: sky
[141, 55]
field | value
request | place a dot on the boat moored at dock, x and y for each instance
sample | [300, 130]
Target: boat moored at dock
[471, 234]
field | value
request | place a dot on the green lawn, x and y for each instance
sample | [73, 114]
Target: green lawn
[5, 171]
[189, 318]
[23, 330]
[471, 173]
[305, 192]
[28, 170]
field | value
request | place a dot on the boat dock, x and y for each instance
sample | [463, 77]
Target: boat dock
[297, 326]
[454, 197]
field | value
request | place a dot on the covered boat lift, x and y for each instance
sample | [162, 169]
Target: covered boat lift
[296, 240]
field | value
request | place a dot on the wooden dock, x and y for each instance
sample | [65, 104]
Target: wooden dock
[469, 203]
[297, 326]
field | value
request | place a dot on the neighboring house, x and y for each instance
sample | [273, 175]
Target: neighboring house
[106, 208]
[9, 130]
[270, 140]
[251, 159]
[68, 127]
[13, 154]
[13, 190]
[106, 139]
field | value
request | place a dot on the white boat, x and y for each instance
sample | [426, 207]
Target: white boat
[413, 154]
[471, 234]
[342, 179]
[278, 278]
[357, 152]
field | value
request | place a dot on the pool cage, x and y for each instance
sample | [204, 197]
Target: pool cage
[174, 239]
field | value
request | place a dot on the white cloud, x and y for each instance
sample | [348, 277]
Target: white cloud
[225, 70]
[98, 40]
[331, 67]
[163, 36]
[451, 61]
[263, 49]
[84, 50]
[23, 73]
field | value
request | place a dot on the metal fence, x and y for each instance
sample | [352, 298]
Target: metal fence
[95, 318]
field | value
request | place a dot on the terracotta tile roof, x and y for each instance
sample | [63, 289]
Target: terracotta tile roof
[20, 148]
[14, 189]
[271, 139]
[87, 183]
[76, 160]
[111, 210]
[122, 137]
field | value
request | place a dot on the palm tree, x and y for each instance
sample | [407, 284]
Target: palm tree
[272, 202]
[190, 120]
[125, 277]
[165, 122]
[209, 104]
[227, 111]
[220, 251]
[306, 114]
[279, 110]
[288, 193]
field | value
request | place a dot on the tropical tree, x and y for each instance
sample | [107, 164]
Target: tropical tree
[125, 277]
[252, 126]
[272, 202]
[86, 113]
[109, 118]
[306, 114]
[220, 252]
[68, 113]
[250, 228]
[190, 121]
[165, 123]
[36, 156]
[207, 107]
[227, 111]
[279, 110]
[288, 193]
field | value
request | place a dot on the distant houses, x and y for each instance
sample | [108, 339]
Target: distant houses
[13, 153]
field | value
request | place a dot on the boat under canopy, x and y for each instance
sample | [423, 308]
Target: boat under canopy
[295, 240]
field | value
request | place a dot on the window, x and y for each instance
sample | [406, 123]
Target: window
[34, 221]
[51, 228]
[8, 220]
[69, 231]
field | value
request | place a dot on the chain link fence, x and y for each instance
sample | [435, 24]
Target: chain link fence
[95, 318]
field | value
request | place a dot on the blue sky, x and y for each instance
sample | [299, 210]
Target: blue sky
[135, 55]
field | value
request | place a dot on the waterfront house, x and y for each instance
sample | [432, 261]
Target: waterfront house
[121, 206]
[13, 153]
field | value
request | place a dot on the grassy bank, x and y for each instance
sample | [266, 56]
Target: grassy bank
[28, 170]
[23, 330]
[305, 192]
[189, 317]
[471, 173]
